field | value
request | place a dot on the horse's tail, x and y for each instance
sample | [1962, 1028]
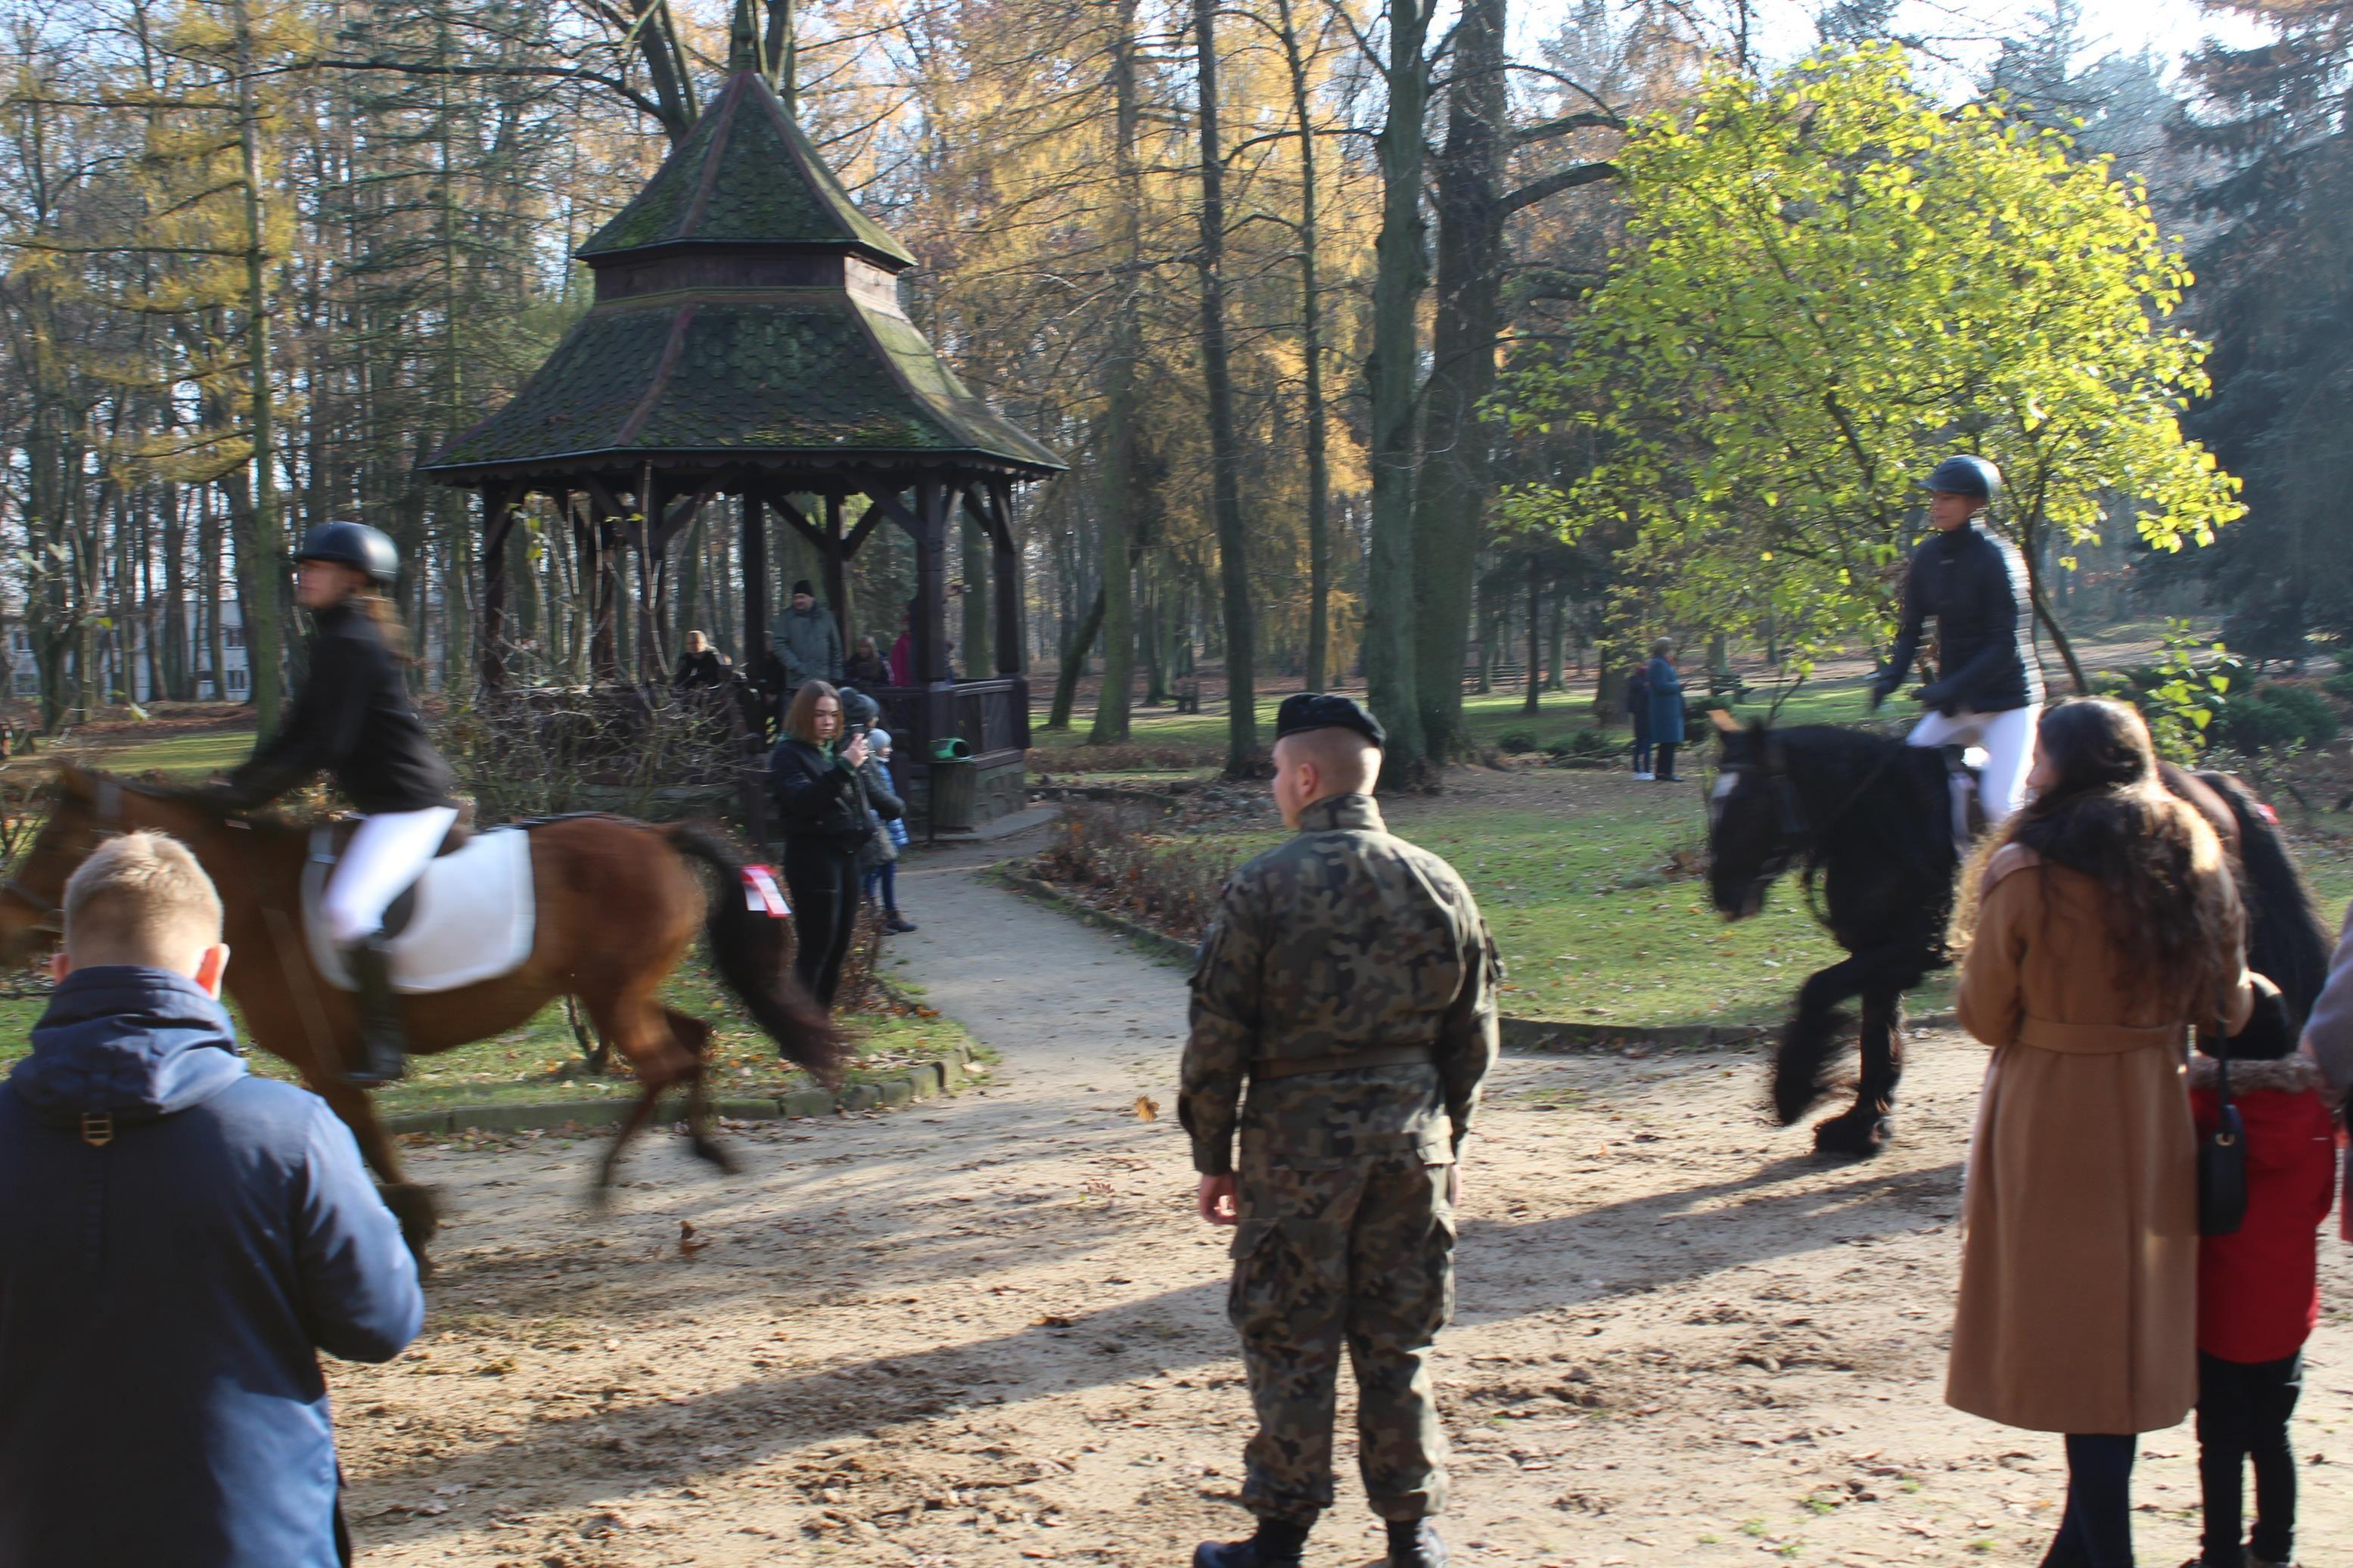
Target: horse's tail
[2286, 938]
[749, 950]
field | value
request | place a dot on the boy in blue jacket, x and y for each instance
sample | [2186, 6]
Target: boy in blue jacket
[178, 1241]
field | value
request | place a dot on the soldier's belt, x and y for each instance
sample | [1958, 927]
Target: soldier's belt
[1344, 1061]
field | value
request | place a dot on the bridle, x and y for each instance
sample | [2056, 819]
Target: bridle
[1799, 839]
[108, 811]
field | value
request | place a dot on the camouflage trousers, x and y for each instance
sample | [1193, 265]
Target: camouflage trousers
[1359, 1253]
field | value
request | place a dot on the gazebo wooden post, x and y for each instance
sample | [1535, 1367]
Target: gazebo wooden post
[498, 502]
[753, 554]
[932, 503]
[648, 514]
[836, 573]
[1012, 649]
[600, 575]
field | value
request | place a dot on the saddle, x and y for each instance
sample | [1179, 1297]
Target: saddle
[470, 916]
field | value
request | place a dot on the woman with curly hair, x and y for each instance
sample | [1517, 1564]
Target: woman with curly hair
[2105, 926]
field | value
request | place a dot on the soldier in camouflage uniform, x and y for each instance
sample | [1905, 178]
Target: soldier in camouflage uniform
[1349, 980]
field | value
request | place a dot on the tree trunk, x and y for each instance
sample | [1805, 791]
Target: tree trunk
[1116, 492]
[1535, 624]
[1310, 346]
[1399, 274]
[1450, 493]
[1233, 562]
[2032, 556]
[258, 593]
[1074, 664]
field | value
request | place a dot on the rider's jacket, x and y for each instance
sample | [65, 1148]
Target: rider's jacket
[353, 719]
[1975, 586]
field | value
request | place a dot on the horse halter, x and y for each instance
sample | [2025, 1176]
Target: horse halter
[109, 819]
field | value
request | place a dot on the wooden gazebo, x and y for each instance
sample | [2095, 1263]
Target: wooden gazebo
[747, 340]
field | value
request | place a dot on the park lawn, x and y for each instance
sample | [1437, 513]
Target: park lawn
[539, 1063]
[198, 755]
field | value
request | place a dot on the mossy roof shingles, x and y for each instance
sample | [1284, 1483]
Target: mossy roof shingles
[744, 175]
[772, 374]
[767, 374]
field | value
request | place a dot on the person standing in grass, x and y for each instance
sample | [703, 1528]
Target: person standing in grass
[1666, 686]
[823, 817]
[1637, 709]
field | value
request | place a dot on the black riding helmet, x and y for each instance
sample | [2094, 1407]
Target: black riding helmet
[1964, 475]
[352, 545]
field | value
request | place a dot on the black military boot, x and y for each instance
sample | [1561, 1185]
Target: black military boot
[1276, 1545]
[384, 1047]
[1415, 1543]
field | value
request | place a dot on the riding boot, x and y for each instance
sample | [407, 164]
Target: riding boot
[384, 1047]
[1415, 1543]
[1277, 1545]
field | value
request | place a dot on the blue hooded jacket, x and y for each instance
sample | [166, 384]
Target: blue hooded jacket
[178, 1240]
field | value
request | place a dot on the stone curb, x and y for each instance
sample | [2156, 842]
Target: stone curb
[1111, 795]
[941, 1075]
[1518, 1034]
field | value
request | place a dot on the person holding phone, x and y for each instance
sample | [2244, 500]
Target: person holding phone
[823, 816]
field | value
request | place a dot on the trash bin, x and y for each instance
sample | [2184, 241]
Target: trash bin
[952, 787]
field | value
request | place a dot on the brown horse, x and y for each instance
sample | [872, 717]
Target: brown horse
[619, 905]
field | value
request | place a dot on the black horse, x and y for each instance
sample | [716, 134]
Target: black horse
[1868, 822]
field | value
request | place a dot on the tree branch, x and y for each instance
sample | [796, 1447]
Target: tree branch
[1552, 185]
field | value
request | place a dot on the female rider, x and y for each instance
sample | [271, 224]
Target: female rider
[1986, 691]
[353, 718]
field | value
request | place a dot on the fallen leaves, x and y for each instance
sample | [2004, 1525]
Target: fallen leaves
[689, 1244]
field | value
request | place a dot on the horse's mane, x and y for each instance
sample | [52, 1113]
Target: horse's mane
[1866, 795]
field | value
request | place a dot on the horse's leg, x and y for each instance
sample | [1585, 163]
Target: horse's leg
[1865, 1128]
[1812, 1038]
[411, 1203]
[695, 1036]
[630, 1018]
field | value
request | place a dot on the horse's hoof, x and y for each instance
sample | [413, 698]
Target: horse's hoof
[715, 1152]
[1851, 1137]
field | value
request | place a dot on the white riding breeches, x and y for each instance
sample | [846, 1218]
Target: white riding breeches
[387, 854]
[2007, 738]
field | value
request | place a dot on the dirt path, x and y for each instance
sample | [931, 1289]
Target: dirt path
[989, 1331]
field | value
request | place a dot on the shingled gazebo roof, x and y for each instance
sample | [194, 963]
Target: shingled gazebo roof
[747, 316]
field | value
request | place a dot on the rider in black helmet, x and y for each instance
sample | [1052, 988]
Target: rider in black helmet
[353, 718]
[1986, 691]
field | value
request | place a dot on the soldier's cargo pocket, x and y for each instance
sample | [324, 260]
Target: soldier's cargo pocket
[1249, 1237]
[1287, 1279]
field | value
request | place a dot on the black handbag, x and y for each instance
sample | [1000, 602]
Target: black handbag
[2223, 1158]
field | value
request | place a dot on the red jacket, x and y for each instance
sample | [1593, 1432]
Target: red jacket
[2258, 1288]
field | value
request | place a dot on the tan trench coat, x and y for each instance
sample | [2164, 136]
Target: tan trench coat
[2078, 1307]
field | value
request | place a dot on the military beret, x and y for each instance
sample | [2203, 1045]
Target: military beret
[1304, 710]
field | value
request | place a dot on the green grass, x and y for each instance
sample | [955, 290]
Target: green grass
[192, 756]
[539, 1063]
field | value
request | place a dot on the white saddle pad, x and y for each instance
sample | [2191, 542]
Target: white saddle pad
[474, 920]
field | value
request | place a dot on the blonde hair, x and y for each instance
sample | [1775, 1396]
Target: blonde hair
[141, 898]
[800, 719]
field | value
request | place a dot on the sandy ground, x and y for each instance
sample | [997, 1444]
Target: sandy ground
[989, 1330]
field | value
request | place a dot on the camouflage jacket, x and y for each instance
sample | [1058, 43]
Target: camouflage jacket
[1346, 940]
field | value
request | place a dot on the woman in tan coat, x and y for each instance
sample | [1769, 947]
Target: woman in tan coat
[2106, 926]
